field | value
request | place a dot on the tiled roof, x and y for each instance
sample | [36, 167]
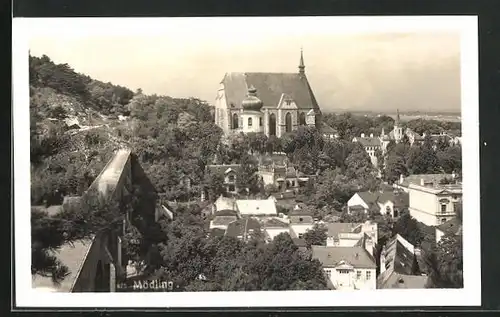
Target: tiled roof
[223, 220]
[341, 227]
[358, 257]
[400, 266]
[217, 232]
[221, 169]
[328, 129]
[298, 219]
[451, 226]
[275, 223]
[226, 212]
[400, 199]
[225, 203]
[270, 88]
[237, 228]
[415, 179]
[369, 141]
[256, 207]
[72, 255]
[299, 242]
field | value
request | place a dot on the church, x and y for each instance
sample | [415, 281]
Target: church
[269, 103]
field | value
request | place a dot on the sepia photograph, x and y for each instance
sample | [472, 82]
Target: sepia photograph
[216, 161]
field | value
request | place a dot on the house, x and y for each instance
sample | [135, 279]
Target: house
[329, 132]
[224, 203]
[256, 207]
[243, 228]
[404, 182]
[222, 222]
[371, 145]
[269, 103]
[453, 226]
[349, 234]
[347, 268]
[399, 266]
[273, 227]
[389, 202]
[397, 134]
[434, 204]
[284, 177]
[229, 172]
[300, 222]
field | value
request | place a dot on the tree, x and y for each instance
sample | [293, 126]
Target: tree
[445, 263]
[214, 184]
[423, 159]
[247, 178]
[316, 236]
[408, 228]
[450, 159]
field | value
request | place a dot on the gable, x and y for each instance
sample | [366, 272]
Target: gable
[287, 102]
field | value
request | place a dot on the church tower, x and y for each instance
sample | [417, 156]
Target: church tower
[302, 67]
[251, 115]
[398, 130]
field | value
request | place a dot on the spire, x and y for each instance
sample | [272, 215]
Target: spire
[397, 118]
[301, 63]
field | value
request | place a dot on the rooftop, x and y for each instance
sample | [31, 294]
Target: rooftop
[72, 255]
[358, 257]
[401, 268]
[451, 226]
[368, 141]
[237, 228]
[270, 88]
[428, 178]
[257, 207]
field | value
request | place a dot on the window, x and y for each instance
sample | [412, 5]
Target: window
[231, 178]
[288, 122]
[260, 122]
[388, 210]
[342, 271]
[231, 188]
[235, 121]
[302, 118]
[288, 102]
[328, 273]
[443, 208]
[301, 235]
[368, 275]
[443, 220]
[358, 274]
[249, 122]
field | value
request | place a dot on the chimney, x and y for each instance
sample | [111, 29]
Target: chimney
[362, 135]
[422, 182]
[371, 135]
[401, 178]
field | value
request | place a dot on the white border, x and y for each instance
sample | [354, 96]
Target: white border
[24, 29]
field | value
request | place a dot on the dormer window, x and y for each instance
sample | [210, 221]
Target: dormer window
[288, 102]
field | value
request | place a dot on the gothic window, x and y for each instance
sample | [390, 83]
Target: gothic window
[249, 122]
[272, 124]
[288, 122]
[302, 118]
[235, 121]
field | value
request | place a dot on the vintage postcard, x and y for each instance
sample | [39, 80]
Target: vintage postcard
[246, 162]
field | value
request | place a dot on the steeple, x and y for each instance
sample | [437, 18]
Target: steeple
[397, 119]
[301, 63]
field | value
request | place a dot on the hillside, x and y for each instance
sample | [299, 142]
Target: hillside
[77, 122]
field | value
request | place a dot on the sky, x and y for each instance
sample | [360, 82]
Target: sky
[375, 70]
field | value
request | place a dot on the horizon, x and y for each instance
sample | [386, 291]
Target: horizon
[377, 71]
